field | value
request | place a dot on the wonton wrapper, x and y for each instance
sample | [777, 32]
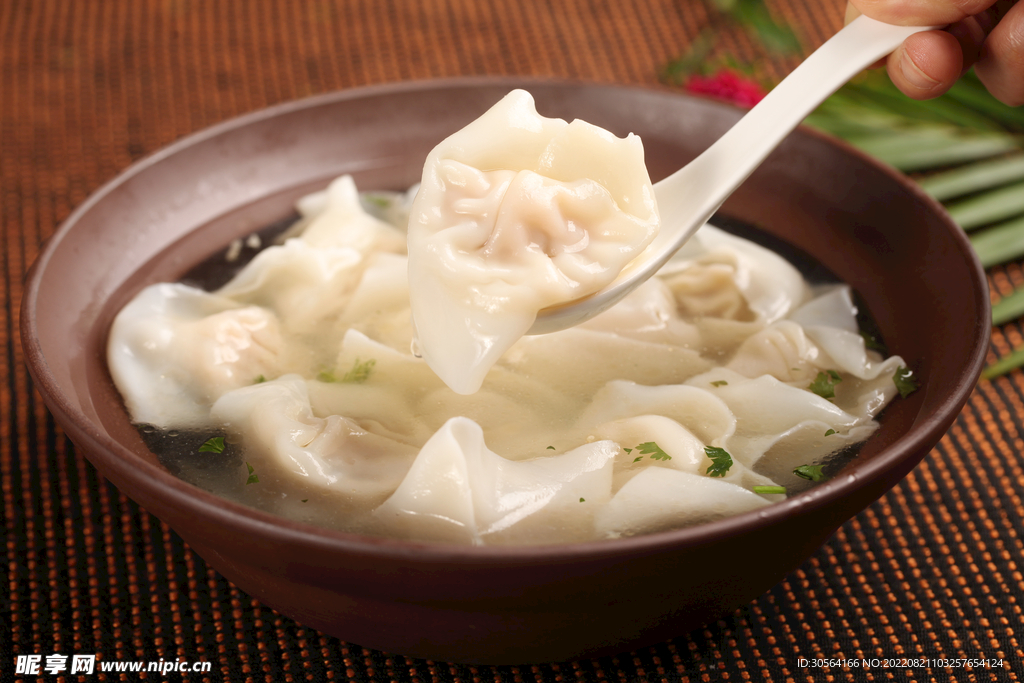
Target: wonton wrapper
[517, 212]
[686, 452]
[733, 276]
[659, 498]
[332, 453]
[175, 349]
[309, 279]
[458, 489]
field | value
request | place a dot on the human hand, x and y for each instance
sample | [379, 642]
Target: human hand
[988, 34]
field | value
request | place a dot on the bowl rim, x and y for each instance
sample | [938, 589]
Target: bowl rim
[159, 484]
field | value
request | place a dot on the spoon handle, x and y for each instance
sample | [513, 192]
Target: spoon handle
[692, 194]
[689, 197]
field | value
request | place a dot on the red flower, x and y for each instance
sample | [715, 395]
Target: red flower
[727, 85]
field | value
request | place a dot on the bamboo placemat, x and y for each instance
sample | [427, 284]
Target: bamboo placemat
[933, 570]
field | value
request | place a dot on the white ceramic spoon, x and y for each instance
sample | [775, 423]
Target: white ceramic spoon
[689, 197]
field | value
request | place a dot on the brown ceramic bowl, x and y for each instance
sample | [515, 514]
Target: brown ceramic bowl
[867, 223]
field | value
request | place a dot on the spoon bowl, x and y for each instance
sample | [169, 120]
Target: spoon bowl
[690, 196]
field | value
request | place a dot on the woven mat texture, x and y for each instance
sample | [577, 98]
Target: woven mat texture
[89, 86]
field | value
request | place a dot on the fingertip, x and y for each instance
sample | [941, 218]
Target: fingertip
[1001, 64]
[926, 65]
[921, 12]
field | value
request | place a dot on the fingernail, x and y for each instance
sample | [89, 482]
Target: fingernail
[914, 75]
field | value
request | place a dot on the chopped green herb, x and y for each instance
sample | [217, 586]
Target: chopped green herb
[824, 384]
[830, 432]
[721, 461]
[809, 472]
[719, 383]
[214, 445]
[628, 450]
[305, 500]
[259, 380]
[360, 372]
[638, 459]
[583, 500]
[382, 202]
[253, 479]
[654, 450]
[551, 448]
[904, 381]
[769, 489]
[872, 342]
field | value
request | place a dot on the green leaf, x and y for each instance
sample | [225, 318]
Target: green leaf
[1004, 365]
[904, 381]
[677, 70]
[1000, 243]
[721, 461]
[930, 147]
[988, 207]
[830, 432]
[854, 110]
[824, 384]
[551, 448]
[654, 450]
[980, 175]
[842, 125]
[213, 445]
[583, 500]
[638, 458]
[719, 383]
[777, 37]
[754, 16]
[875, 90]
[769, 489]
[1010, 307]
[970, 92]
[253, 479]
[878, 90]
[810, 472]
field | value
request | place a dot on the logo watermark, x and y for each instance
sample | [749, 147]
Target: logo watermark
[37, 665]
[899, 663]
